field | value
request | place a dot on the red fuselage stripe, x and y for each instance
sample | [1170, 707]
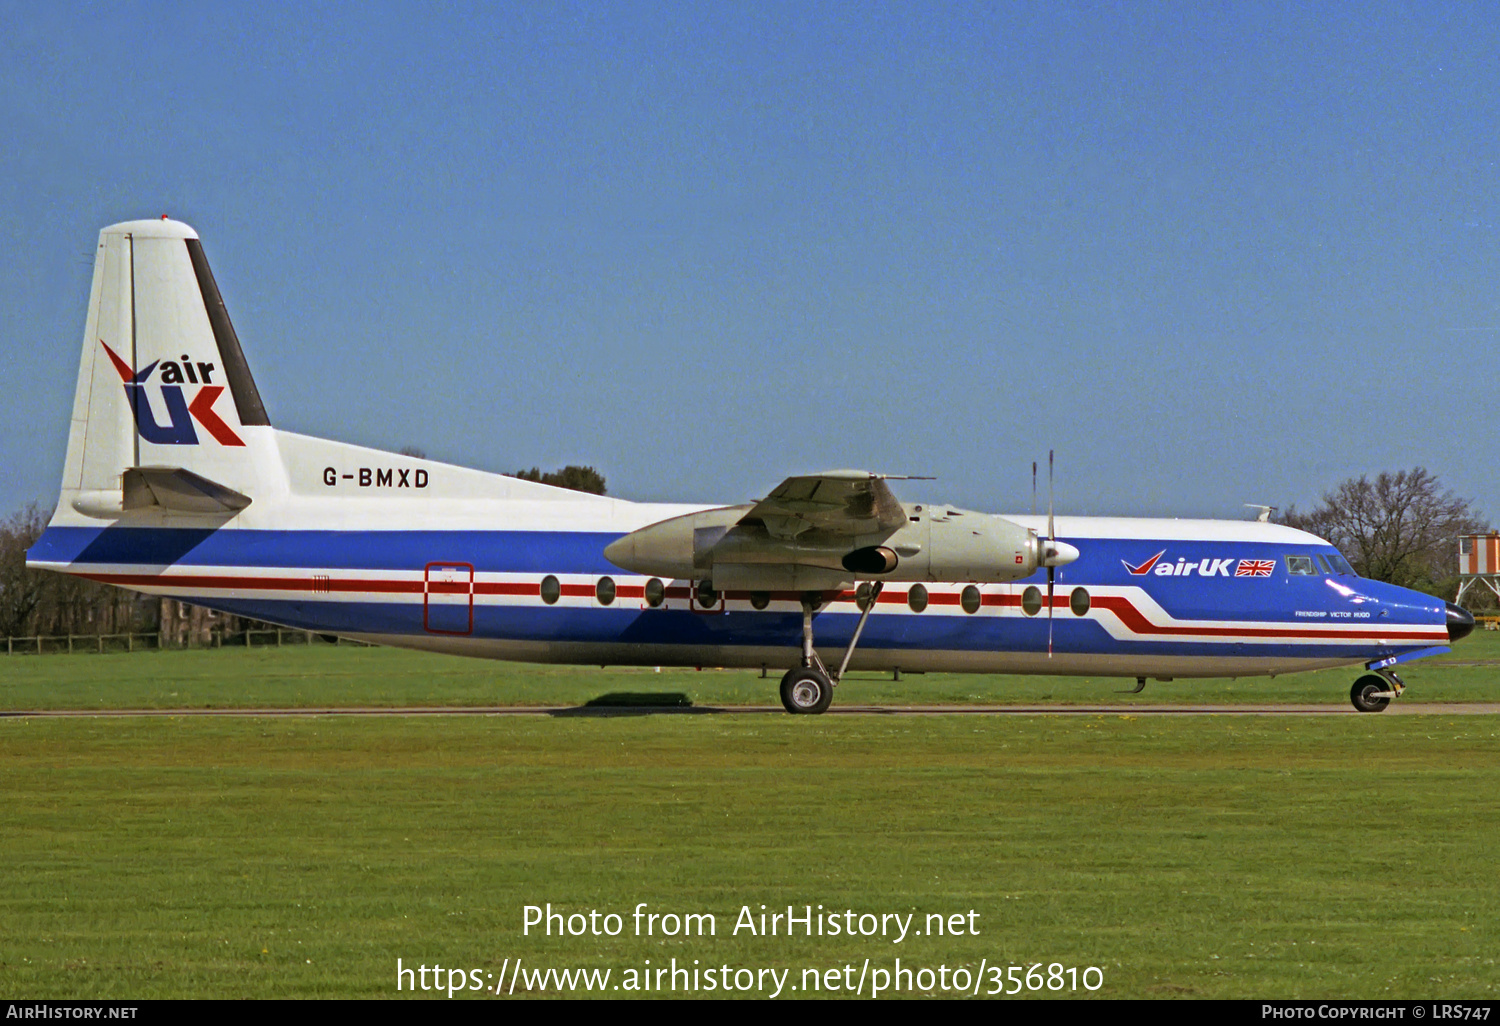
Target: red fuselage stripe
[1119, 605]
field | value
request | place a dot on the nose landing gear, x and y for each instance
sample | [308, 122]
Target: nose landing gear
[1374, 691]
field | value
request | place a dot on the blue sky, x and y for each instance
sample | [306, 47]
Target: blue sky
[1210, 253]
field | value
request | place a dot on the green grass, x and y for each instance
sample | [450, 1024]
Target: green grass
[1206, 857]
[1202, 857]
[321, 675]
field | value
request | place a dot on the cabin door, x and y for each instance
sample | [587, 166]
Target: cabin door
[448, 598]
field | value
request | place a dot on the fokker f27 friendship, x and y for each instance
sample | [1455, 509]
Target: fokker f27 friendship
[176, 484]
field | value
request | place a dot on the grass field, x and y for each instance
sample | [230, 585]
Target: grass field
[322, 676]
[1238, 856]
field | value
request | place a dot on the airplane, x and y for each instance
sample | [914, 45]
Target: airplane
[176, 484]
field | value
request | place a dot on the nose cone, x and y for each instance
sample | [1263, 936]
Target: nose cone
[621, 552]
[1460, 622]
[1056, 553]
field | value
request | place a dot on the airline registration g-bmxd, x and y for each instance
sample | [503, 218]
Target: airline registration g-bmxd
[176, 484]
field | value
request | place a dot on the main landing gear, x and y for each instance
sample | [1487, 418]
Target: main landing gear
[809, 688]
[1374, 691]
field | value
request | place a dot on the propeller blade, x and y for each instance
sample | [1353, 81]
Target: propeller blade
[1050, 572]
[1033, 487]
[1051, 526]
[1051, 540]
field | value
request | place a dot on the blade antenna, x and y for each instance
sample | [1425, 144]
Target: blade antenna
[1051, 550]
[1033, 487]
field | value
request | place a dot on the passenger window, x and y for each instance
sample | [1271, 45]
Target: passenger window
[916, 598]
[656, 592]
[551, 589]
[707, 597]
[1031, 601]
[604, 591]
[1079, 601]
[1300, 565]
[970, 599]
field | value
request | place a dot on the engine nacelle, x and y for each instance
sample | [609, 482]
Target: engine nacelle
[871, 561]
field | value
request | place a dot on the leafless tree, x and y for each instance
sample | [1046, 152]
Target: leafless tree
[38, 602]
[22, 591]
[1402, 527]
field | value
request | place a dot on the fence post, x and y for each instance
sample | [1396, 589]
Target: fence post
[70, 643]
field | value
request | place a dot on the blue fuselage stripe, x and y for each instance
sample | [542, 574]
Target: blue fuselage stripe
[1202, 586]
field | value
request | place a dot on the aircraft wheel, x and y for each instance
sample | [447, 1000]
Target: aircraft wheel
[1364, 691]
[805, 690]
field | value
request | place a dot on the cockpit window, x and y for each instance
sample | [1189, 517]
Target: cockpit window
[1300, 565]
[1322, 565]
[1341, 565]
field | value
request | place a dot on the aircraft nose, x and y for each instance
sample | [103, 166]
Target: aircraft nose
[1460, 622]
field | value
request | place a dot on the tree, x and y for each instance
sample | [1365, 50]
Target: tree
[21, 590]
[580, 479]
[1402, 527]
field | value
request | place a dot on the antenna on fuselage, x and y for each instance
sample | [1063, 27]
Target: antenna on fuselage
[1265, 511]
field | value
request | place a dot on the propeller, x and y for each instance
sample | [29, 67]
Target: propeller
[1053, 553]
[1050, 550]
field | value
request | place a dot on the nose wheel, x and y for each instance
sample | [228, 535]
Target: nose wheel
[1374, 691]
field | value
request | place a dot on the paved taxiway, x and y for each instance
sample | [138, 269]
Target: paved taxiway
[1413, 709]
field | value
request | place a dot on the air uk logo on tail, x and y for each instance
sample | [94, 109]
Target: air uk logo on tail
[181, 413]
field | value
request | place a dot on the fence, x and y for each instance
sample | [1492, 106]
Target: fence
[53, 644]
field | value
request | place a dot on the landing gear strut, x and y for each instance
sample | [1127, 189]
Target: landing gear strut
[1374, 691]
[809, 687]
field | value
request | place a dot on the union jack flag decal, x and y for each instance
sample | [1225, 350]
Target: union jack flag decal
[1255, 568]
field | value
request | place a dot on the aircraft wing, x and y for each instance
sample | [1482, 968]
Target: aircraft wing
[838, 502]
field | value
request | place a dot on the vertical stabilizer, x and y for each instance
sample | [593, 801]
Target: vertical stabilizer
[162, 382]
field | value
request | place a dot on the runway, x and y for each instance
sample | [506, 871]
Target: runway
[1397, 709]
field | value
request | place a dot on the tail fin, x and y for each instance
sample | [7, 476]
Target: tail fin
[165, 400]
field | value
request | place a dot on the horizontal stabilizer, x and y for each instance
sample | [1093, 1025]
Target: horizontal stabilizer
[180, 491]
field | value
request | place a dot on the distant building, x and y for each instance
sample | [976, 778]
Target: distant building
[1478, 561]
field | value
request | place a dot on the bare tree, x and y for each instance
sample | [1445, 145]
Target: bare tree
[39, 602]
[1402, 527]
[22, 591]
